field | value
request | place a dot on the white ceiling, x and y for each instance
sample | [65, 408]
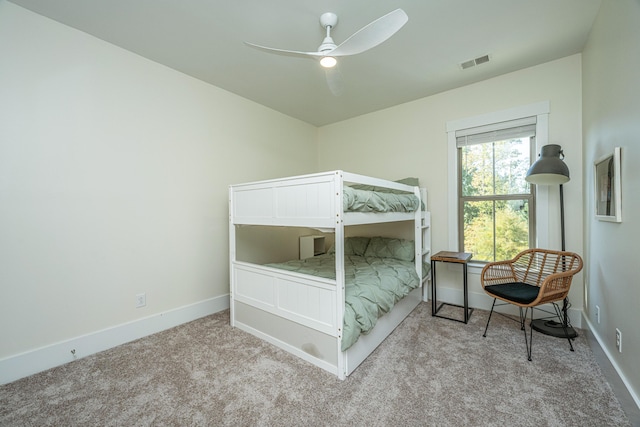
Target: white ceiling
[204, 39]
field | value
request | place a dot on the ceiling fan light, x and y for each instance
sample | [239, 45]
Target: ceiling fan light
[328, 61]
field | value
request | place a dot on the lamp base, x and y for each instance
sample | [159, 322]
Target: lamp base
[553, 328]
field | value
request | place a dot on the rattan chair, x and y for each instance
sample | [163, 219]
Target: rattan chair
[532, 278]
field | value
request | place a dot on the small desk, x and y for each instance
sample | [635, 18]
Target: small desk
[458, 258]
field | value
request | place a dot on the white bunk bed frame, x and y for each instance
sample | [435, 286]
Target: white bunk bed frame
[299, 313]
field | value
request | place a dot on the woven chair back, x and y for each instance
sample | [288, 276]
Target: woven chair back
[533, 266]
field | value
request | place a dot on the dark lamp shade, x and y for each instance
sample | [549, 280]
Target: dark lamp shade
[549, 169]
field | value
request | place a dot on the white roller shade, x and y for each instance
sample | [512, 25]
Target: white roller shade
[513, 129]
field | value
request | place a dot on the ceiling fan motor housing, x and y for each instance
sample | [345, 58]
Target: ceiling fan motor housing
[327, 45]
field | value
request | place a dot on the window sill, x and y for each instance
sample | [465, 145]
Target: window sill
[475, 267]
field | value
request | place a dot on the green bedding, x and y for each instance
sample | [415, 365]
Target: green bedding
[363, 200]
[373, 286]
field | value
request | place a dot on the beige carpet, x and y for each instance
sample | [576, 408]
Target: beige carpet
[429, 372]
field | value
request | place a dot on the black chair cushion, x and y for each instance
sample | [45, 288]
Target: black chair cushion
[521, 293]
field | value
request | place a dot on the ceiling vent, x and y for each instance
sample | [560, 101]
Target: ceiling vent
[473, 62]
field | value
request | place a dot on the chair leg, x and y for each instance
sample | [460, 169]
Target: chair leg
[529, 343]
[523, 319]
[489, 319]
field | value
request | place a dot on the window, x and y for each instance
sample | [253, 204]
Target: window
[495, 204]
[495, 208]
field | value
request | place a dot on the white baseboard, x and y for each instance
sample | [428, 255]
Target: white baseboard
[22, 365]
[611, 359]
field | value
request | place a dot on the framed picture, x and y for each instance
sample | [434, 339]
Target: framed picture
[607, 187]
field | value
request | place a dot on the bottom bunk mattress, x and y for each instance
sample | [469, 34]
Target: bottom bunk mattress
[373, 285]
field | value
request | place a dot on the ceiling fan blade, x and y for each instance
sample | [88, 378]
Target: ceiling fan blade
[334, 80]
[285, 52]
[372, 34]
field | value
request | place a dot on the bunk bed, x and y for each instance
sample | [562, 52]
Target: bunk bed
[303, 308]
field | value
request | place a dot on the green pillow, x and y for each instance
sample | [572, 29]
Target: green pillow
[385, 247]
[409, 181]
[353, 246]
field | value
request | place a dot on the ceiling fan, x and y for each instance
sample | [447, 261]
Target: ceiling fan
[369, 36]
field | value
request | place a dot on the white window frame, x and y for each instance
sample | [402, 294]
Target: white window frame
[541, 111]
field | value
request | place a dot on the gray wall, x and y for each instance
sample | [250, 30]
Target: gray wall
[611, 117]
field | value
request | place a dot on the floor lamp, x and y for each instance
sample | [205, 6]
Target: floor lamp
[550, 169]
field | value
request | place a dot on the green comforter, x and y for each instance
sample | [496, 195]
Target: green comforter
[358, 200]
[373, 286]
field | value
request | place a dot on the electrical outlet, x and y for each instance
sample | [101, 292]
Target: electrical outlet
[619, 340]
[141, 300]
[598, 314]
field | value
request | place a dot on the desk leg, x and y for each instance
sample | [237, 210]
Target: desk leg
[466, 293]
[433, 288]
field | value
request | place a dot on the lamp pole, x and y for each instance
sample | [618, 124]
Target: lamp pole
[562, 216]
[565, 303]
[550, 169]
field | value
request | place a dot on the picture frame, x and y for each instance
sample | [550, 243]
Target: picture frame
[608, 191]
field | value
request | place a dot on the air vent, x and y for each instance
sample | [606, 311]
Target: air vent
[468, 64]
[473, 62]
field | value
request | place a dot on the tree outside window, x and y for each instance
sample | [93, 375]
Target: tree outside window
[495, 200]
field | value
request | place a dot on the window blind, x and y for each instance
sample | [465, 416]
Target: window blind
[513, 129]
